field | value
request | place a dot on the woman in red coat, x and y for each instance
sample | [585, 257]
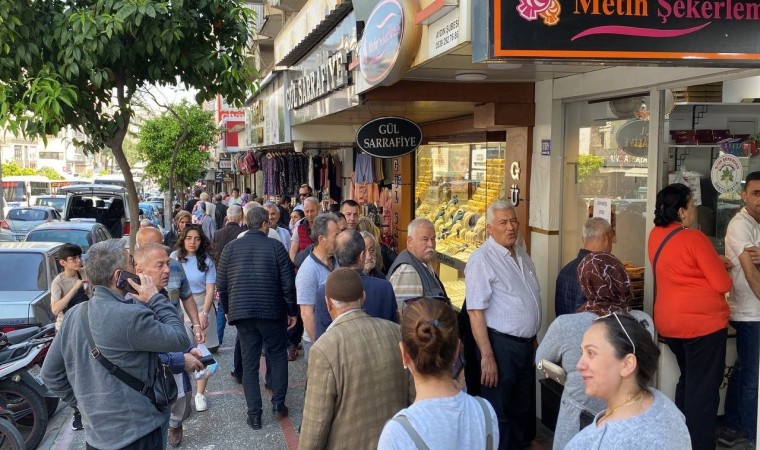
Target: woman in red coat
[690, 309]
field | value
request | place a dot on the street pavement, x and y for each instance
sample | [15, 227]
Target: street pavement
[223, 425]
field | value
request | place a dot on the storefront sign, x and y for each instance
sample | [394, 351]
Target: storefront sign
[677, 32]
[546, 147]
[331, 75]
[443, 35]
[389, 137]
[225, 164]
[726, 174]
[390, 41]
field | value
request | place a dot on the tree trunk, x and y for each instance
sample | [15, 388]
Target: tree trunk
[118, 153]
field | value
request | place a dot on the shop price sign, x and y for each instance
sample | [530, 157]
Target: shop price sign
[726, 174]
[672, 32]
[389, 137]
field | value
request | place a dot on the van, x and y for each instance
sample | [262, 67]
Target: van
[107, 204]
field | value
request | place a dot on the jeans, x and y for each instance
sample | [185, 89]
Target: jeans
[255, 333]
[702, 363]
[221, 323]
[741, 397]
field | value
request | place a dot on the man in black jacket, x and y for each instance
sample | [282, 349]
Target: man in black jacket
[220, 212]
[256, 283]
[222, 237]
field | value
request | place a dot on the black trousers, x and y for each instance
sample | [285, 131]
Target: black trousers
[515, 384]
[253, 334]
[237, 364]
[296, 333]
[151, 441]
[702, 362]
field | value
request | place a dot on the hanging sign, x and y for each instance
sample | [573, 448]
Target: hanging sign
[389, 137]
[603, 208]
[726, 174]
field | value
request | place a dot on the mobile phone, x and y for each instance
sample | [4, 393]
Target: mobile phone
[553, 371]
[122, 283]
[207, 360]
[458, 365]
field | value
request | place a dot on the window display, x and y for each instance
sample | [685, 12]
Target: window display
[454, 185]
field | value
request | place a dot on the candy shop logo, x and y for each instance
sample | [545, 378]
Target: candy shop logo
[549, 11]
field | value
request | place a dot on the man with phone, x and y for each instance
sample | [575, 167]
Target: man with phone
[151, 259]
[129, 334]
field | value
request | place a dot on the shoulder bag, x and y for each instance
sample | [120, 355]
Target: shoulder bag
[420, 444]
[162, 392]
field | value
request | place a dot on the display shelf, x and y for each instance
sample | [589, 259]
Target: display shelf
[693, 146]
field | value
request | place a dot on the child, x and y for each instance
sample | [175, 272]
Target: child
[67, 290]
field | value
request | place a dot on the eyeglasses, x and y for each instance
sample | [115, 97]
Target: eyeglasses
[621, 326]
[73, 258]
[303, 194]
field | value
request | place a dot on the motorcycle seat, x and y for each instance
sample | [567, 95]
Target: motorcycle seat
[21, 335]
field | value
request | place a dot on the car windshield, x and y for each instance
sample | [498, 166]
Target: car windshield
[24, 272]
[26, 215]
[78, 237]
[56, 203]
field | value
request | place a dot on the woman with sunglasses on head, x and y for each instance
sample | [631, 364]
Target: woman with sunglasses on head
[194, 253]
[618, 360]
[607, 288]
[442, 416]
[690, 309]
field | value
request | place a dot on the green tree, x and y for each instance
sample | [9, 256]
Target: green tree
[50, 173]
[159, 136]
[588, 165]
[11, 169]
[79, 64]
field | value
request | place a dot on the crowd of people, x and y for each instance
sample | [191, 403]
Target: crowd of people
[384, 345]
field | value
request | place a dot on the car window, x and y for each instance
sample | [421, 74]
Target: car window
[29, 272]
[56, 203]
[78, 237]
[26, 215]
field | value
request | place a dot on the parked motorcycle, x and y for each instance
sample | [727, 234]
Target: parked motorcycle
[10, 437]
[26, 401]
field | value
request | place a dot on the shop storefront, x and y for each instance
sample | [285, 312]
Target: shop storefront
[612, 134]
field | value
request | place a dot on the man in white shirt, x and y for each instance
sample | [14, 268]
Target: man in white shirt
[282, 234]
[504, 306]
[742, 241]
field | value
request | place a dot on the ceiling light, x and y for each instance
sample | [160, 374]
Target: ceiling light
[504, 66]
[470, 75]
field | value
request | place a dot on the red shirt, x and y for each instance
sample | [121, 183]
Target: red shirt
[691, 283]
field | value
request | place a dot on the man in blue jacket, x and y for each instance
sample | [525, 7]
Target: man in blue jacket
[380, 301]
[256, 284]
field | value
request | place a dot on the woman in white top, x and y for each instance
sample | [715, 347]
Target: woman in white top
[442, 416]
[193, 252]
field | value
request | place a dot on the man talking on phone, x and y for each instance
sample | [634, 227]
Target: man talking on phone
[126, 333]
[152, 259]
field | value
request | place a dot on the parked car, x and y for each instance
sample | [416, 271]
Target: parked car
[56, 201]
[107, 204]
[82, 232]
[150, 211]
[158, 201]
[19, 221]
[25, 285]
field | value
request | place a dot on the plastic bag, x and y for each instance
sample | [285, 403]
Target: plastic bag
[209, 370]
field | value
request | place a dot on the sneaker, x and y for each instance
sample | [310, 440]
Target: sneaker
[76, 422]
[729, 437]
[200, 403]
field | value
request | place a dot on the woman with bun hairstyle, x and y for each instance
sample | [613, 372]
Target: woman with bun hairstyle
[618, 360]
[442, 416]
[690, 309]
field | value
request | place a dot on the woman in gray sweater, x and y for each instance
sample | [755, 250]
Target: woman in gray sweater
[607, 288]
[619, 359]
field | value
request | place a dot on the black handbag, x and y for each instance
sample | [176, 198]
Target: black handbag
[162, 392]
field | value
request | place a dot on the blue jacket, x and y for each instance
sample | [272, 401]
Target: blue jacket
[379, 302]
[568, 296]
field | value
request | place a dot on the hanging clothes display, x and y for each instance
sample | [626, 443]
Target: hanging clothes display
[284, 173]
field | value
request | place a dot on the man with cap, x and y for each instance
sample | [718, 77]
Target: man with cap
[358, 355]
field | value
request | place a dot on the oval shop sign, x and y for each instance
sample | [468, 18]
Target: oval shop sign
[389, 137]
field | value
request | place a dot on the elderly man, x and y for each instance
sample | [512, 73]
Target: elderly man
[256, 284]
[313, 273]
[128, 334]
[358, 379]
[504, 307]
[351, 211]
[152, 259]
[220, 211]
[597, 237]
[282, 234]
[379, 301]
[411, 273]
[302, 233]
[223, 236]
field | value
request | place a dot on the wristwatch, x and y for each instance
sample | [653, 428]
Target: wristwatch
[204, 313]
